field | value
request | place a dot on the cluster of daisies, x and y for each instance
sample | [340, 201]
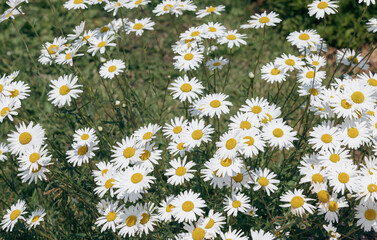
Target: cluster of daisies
[13, 10]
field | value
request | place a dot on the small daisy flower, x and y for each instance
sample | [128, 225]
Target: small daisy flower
[134, 180]
[196, 133]
[149, 157]
[253, 142]
[180, 172]
[19, 90]
[68, 55]
[372, 25]
[189, 59]
[325, 137]
[210, 10]
[354, 134]
[333, 206]
[75, 4]
[126, 152]
[261, 235]
[8, 107]
[311, 76]
[35, 157]
[271, 73]
[215, 104]
[265, 179]
[252, 211]
[100, 44]
[262, 20]
[214, 30]
[112, 6]
[175, 129]
[165, 209]
[147, 133]
[139, 26]
[316, 61]
[186, 89]
[105, 184]
[188, 206]
[226, 166]
[13, 214]
[366, 213]
[63, 90]
[112, 68]
[343, 177]
[238, 202]
[349, 57]
[278, 134]
[304, 38]
[232, 38]
[217, 63]
[297, 202]
[212, 224]
[81, 153]
[110, 217]
[35, 218]
[85, 136]
[321, 7]
[255, 107]
[29, 176]
[103, 169]
[289, 62]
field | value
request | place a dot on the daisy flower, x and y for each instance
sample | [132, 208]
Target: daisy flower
[366, 213]
[49, 50]
[243, 122]
[178, 147]
[278, 134]
[19, 90]
[229, 145]
[105, 184]
[13, 214]
[180, 172]
[29, 176]
[289, 62]
[3, 149]
[343, 177]
[63, 90]
[217, 63]
[188, 205]
[304, 38]
[8, 107]
[35, 218]
[100, 44]
[238, 202]
[75, 4]
[315, 61]
[372, 25]
[25, 138]
[193, 35]
[255, 107]
[148, 218]
[265, 179]
[332, 211]
[68, 55]
[165, 209]
[233, 234]
[189, 59]
[368, 2]
[126, 152]
[196, 133]
[331, 230]
[262, 20]
[349, 57]
[321, 7]
[81, 153]
[134, 180]
[77, 31]
[85, 136]
[103, 169]
[226, 166]
[112, 68]
[138, 26]
[210, 10]
[214, 30]
[136, 3]
[271, 73]
[147, 133]
[297, 202]
[210, 175]
[361, 97]
[232, 38]
[367, 188]
[149, 157]
[167, 6]
[261, 235]
[212, 224]
[174, 130]
[252, 211]
[311, 76]
[215, 104]
[325, 137]
[253, 142]
[110, 217]
[186, 89]
[35, 157]
[114, 6]
[354, 134]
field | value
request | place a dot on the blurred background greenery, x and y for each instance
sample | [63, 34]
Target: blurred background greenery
[67, 195]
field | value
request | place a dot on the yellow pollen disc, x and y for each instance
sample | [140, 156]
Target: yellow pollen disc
[264, 20]
[211, 9]
[138, 2]
[267, 119]
[326, 138]
[236, 204]
[78, 1]
[245, 125]
[86, 38]
[334, 158]
[238, 178]
[1, 88]
[14, 93]
[198, 234]
[290, 62]
[210, 224]
[231, 143]
[104, 171]
[35, 219]
[64, 90]
[315, 63]
[131, 221]
[345, 104]
[15, 214]
[370, 214]
[197, 134]
[68, 56]
[167, 7]
[84, 137]
[372, 82]
[226, 162]
[112, 68]
[195, 34]
[109, 183]
[101, 44]
[357, 97]
[34, 157]
[310, 74]
[256, 109]
[370, 113]
[353, 132]
[145, 218]
[169, 208]
[145, 156]
[263, 181]
[136, 178]
[297, 202]
[216, 64]
[304, 36]
[317, 178]
[212, 29]
[24, 138]
[333, 206]
[231, 37]
[322, 5]
[188, 56]
[52, 49]
[372, 187]
[215, 103]
[275, 71]
[4, 111]
[138, 26]
[9, 14]
[104, 29]
[250, 141]
[82, 150]
[111, 216]
[129, 152]
[180, 171]
[187, 206]
[180, 146]
[186, 87]
[354, 61]
[118, 4]
[323, 196]
[147, 135]
[313, 91]
[343, 177]
[278, 132]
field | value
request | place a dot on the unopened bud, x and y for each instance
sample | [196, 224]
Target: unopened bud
[349, 195]
[102, 59]
[251, 75]
[100, 128]
[124, 105]
[117, 103]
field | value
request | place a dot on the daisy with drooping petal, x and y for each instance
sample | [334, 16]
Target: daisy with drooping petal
[186, 89]
[265, 179]
[212, 224]
[75, 4]
[253, 142]
[105, 184]
[372, 25]
[331, 230]
[8, 107]
[188, 206]
[210, 10]
[238, 202]
[13, 214]
[333, 206]
[112, 68]
[297, 202]
[180, 172]
[110, 217]
[278, 134]
[165, 209]
[149, 157]
[25, 137]
[217, 63]
[35, 157]
[28, 175]
[262, 20]
[304, 38]
[232, 38]
[196, 133]
[35, 218]
[320, 8]
[18, 90]
[189, 59]
[148, 218]
[81, 153]
[63, 90]
[366, 213]
[139, 25]
[68, 55]
[233, 234]
[271, 73]
[100, 44]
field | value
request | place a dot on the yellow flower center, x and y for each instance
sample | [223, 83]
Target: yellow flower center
[310, 74]
[129, 152]
[188, 56]
[210, 224]
[315, 63]
[136, 178]
[78, 1]
[180, 146]
[52, 49]
[370, 214]
[371, 81]
[277, 132]
[333, 206]
[15, 214]
[343, 177]
[326, 138]
[187, 206]
[226, 162]
[186, 87]
[231, 143]
[64, 90]
[290, 62]
[231, 37]
[4, 111]
[104, 171]
[323, 196]
[304, 36]
[211, 9]
[264, 20]
[145, 156]
[101, 44]
[317, 178]
[167, 7]
[357, 97]
[266, 119]
[68, 56]
[82, 150]
[34, 157]
[313, 91]
[169, 208]
[109, 183]
[35, 219]
[180, 171]
[138, 26]
[195, 34]
[275, 71]
[131, 221]
[353, 132]
[236, 204]
[198, 234]
[334, 158]
[14, 93]
[212, 29]
[250, 141]
[197, 134]
[24, 138]
[345, 104]
[112, 68]
[297, 202]
[238, 178]
[322, 5]
[147, 135]
[104, 29]
[245, 125]
[215, 103]
[256, 109]
[263, 181]
[372, 188]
